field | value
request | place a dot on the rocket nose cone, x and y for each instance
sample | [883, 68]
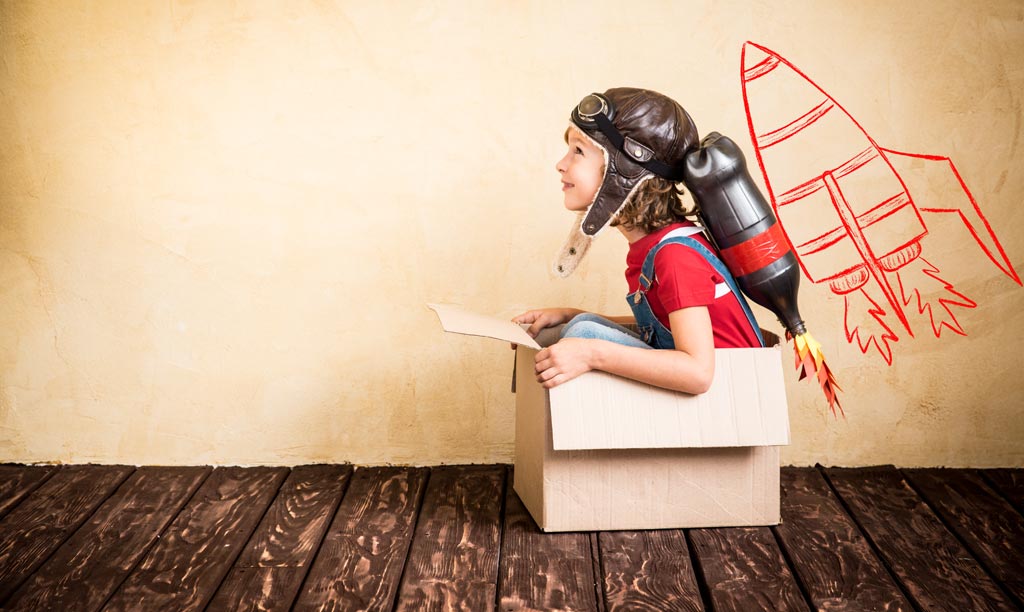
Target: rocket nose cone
[754, 54]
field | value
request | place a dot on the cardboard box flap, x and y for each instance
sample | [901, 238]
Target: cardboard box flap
[745, 406]
[459, 321]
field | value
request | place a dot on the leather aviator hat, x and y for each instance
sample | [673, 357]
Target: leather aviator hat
[642, 134]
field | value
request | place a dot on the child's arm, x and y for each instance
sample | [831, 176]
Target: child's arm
[550, 317]
[689, 368]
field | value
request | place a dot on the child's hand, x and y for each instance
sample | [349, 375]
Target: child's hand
[564, 361]
[545, 317]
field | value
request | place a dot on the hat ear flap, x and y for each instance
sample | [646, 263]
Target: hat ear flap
[577, 244]
[575, 247]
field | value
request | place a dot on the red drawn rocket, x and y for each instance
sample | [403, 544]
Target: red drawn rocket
[852, 210]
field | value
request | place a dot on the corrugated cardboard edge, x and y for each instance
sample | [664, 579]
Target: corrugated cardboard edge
[533, 427]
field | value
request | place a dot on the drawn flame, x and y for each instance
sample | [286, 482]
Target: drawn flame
[927, 273]
[867, 332]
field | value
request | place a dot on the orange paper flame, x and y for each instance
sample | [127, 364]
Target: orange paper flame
[810, 360]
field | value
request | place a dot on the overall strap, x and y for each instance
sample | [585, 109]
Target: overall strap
[682, 236]
[647, 271]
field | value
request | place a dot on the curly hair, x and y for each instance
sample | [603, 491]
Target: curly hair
[655, 203]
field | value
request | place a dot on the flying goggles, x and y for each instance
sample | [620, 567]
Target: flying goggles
[597, 112]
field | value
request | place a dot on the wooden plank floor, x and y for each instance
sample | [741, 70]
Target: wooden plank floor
[334, 537]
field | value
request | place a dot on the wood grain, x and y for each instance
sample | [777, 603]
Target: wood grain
[648, 570]
[182, 571]
[268, 573]
[362, 556]
[83, 572]
[453, 561]
[45, 519]
[743, 569]
[542, 571]
[81, 534]
[935, 569]
[258, 588]
[830, 556]
[990, 527]
[17, 481]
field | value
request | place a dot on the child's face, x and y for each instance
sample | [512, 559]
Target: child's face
[582, 170]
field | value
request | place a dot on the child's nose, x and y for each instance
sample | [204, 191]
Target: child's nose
[560, 165]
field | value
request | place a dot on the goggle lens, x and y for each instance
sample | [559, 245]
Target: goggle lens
[590, 107]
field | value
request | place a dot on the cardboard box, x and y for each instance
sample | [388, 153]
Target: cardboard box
[602, 452]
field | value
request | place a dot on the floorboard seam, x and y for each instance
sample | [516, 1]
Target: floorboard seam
[501, 539]
[67, 537]
[867, 538]
[998, 489]
[792, 569]
[953, 532]
[156, 539]
[597, 563]
[412, 535]
[238, 553]
[698, 572]
[323, 538]
[32, 489]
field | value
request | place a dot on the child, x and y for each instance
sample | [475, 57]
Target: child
[626, 154]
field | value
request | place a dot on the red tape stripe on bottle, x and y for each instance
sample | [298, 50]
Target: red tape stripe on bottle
[757, 252]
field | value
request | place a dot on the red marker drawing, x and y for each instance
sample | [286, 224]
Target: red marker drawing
[851, 209]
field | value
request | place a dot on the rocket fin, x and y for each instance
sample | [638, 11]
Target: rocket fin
[934, 179]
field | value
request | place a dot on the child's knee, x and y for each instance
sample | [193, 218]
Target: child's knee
[586, 328]
[585, 317]
[580, 319]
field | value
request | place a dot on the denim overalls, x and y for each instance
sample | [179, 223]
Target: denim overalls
[650, 328]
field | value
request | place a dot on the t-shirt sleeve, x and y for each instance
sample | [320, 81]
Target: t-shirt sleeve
[684, 278]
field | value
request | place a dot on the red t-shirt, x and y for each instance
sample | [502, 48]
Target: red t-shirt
[683, 278]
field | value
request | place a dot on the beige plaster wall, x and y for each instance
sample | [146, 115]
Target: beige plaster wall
[219, 221]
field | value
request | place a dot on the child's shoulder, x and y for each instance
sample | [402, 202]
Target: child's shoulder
[669, 253]
[666, 234]
[679, 253]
